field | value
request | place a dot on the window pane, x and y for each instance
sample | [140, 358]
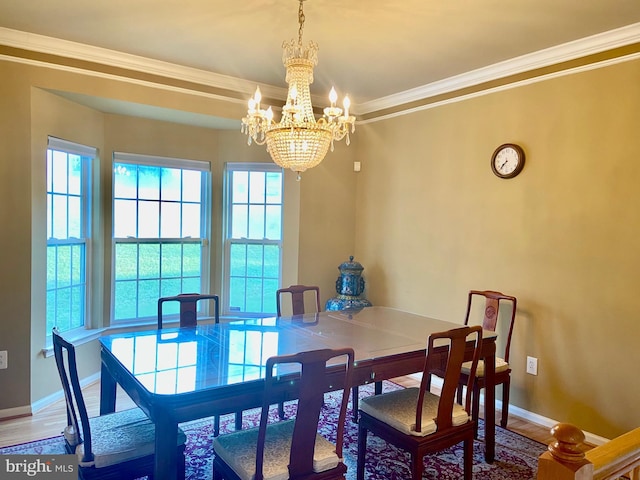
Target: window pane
[254, 295]
[125, 181]
[256, 187]
[170, 220]
[149, 261]
[75, 218]
[274, 187]
[77, 264]
[254, 260]
[63, 309]
[126, 261]
[191, 186]
[272, 261]
[51, 267]
[149, 182]
[124, 300]
[270, 287]
[170, 288]
[60, 216]
[273, 230]
[75, 174]
[237, 294]
[59, 172]
[124, 218]
[171, 260]
[77, 306]
[148, 294]
[191, 285]
[238, 263]
[256, 221]
[63, 260]
[240, 190]
[170, 184]
[149, 220]
[191, 221]
[191, 263]
[240, 221]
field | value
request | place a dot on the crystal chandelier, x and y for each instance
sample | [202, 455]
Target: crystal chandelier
[298, 141]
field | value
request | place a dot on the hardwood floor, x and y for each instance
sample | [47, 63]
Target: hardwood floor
[50, 421]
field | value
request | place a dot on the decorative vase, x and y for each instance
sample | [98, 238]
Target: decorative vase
[350, 287]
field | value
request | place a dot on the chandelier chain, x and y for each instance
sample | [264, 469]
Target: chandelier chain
[300, 22]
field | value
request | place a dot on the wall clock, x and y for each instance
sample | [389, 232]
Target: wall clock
[508, 160]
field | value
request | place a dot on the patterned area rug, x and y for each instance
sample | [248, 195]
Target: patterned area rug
[516, 456]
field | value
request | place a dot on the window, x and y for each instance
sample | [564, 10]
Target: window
[253, 238]
[160, 230]
[68, 234]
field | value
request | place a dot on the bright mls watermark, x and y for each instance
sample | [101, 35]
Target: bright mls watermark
[49, 467]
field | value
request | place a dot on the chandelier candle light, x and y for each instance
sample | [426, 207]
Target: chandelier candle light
[298, 141]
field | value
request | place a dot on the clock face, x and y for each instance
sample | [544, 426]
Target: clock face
[507, 161]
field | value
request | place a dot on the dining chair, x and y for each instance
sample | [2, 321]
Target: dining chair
[189, 307]
[418, 421]
[297, 294]
[492, 301]
[115, 446]
[189, 318]
[291, 449]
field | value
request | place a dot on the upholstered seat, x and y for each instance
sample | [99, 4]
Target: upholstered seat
[291, 449]
[116, 438]
[398, 410]
[238, 450]
[501, 366]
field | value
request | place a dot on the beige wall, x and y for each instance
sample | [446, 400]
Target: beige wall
[433, 222]
[30, 112]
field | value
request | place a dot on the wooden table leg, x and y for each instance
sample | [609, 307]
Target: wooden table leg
[166, 463]
[490, 404]
[107, 391]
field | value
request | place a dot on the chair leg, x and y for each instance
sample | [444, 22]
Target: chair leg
[362, 450]
[505, 403]
[475, 407]
[216, 425]
[417, 465]
[377, 388]
[459, 393]
[281, 410]
[239, 420]
[354, 404]
[468, 458]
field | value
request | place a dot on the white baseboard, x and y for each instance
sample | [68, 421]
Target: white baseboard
[38, 405]
[531, 417]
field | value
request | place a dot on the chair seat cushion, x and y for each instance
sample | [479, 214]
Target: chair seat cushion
[118, 437]
[501, 366]
[398, 410]
[238, 450]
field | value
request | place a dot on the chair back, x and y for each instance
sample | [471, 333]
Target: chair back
[65, 355]
[297, 298]
[189, 307]
[458, 341]
[491, 309]
[313, 380]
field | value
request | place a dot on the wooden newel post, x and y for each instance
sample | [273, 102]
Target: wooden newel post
[564, 458]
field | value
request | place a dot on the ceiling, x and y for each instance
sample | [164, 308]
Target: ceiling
[370, 49]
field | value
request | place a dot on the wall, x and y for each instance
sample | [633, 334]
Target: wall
[31, 109]
[433, 222]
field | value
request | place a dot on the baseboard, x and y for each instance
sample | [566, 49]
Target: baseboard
[38, 405]
[530, 417]
[15, 412]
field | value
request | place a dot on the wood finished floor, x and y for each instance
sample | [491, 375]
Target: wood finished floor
[50, 421]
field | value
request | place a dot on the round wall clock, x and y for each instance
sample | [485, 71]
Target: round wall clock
[508, 160]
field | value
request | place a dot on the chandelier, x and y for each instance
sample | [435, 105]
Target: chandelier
[298, 141]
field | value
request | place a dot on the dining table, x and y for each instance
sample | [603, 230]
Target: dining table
[177, 375]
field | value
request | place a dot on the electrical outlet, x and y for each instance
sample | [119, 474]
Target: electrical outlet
[3, 359]
[532, 365]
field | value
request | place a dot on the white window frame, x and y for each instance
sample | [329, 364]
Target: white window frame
[88, 156]
[228, 241]
[205, 226]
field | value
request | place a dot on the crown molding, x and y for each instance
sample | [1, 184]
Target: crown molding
[64, 48]
[579, 48]
[543, 58]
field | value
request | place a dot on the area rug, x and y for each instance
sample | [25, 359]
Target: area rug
[516, 456]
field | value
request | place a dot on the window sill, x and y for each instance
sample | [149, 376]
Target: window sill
[78, 339]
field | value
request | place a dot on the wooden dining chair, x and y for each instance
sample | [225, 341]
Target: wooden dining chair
[418, 421]
[189, 307]
[297, 294]
[492, 301]
[115, 446]
[291, 449]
